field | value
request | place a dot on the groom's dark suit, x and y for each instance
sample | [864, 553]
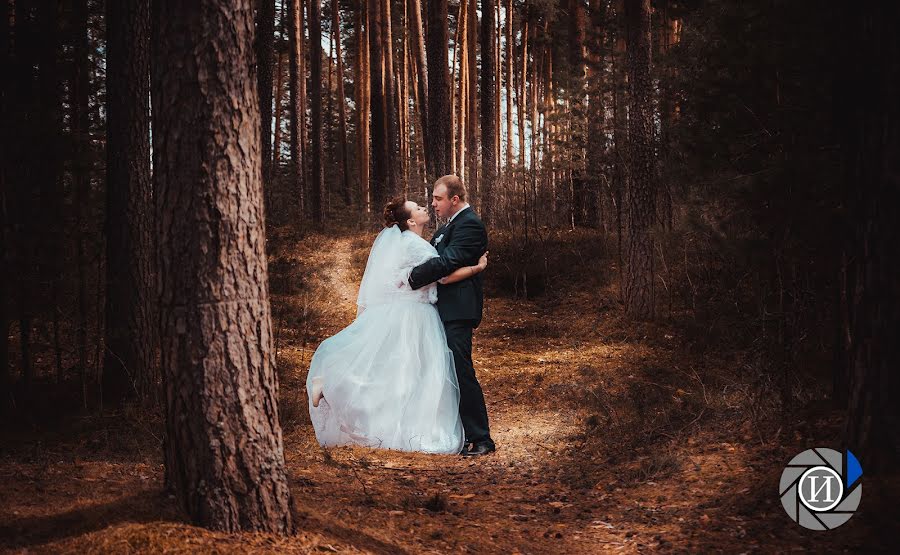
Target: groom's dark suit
[460, 243]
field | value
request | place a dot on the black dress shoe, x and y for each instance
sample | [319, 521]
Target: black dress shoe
[480, 448]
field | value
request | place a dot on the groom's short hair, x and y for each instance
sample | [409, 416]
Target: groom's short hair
[454, 185]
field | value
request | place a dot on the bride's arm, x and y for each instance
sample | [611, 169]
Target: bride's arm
[466, 271]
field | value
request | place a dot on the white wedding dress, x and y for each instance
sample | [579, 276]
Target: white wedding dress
[388, 378]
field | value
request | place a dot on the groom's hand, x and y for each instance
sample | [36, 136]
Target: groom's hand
[469, 242]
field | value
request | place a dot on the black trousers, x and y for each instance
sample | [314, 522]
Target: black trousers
[472, 409]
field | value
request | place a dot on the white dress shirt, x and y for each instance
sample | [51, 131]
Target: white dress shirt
[464, 206]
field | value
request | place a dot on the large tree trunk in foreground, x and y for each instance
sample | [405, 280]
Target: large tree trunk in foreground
[640, 204]
[130, 325]
[871, 315]
[223, 451]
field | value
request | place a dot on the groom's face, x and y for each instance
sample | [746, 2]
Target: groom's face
[444, 207]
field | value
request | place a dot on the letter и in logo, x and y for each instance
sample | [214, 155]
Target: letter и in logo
[820, 488]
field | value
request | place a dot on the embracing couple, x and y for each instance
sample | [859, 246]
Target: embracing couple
[401, 375]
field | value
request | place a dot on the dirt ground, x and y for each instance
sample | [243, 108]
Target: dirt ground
[612, 436]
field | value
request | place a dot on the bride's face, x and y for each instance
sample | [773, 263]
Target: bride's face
[417, 214]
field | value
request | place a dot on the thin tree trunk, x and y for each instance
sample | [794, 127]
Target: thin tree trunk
[298, 100]
[489, 106]
[49, 167]
[130, 344]
[363, 80]
[379, 185]
[456, 123]
[317, 181]
[265, 55]
[403, 102]
[439, 115]
[641, 209]
[279, 100]
[421, 84]
[390, 91]
[223, 451]
[22, 212]
[6, 134]
[471, 160]
[342, 106]
[620, 138]
[317, 193]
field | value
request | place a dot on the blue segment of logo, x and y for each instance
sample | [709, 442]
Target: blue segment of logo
[854, 469]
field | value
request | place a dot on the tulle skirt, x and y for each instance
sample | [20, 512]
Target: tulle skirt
[389, 382]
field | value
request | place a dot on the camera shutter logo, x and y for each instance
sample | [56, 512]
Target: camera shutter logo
[820, 488]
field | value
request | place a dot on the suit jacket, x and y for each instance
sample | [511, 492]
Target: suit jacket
[459, 243]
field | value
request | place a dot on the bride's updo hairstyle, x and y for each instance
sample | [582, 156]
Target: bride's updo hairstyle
[396, 212]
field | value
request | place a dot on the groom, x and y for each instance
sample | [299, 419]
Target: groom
[460, 242]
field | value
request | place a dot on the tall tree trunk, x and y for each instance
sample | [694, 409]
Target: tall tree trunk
[403, 102]
[870, 86]
[418, 42]
[279, 99]
[223, 450]
[471, 163]
[22, 213]
[640, 206]
[462, 51]
[510, 168]
[390, 101]
[6, 135]
[342, 106]
[488, 106]
[454, 116]
[363, 80]
[439, 115]
[82, 168]
[379, 184]
[595, 143]
[317, 177]
[265, 59]
[620, 140]
[130, 326]
[298, 100]
[49, 166]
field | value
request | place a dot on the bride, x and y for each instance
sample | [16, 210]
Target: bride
[388, 379]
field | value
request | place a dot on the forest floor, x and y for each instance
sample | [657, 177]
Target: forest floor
[612, 436]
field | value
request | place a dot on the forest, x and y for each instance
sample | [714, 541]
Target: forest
[693, 212]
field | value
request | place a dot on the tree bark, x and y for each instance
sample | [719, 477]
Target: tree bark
[418, 41]
[317, 181]
[390, 101]
[640, 204]
[265, 56]
[867, 96]
[128, 367]
[379, 183]
[346, 191]
[439, 116]
[488, 107]
[6, 136]
[279, 99]
[471, 150]
[363, 99]
[298, 100]
[48, 165]
[223, 450]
